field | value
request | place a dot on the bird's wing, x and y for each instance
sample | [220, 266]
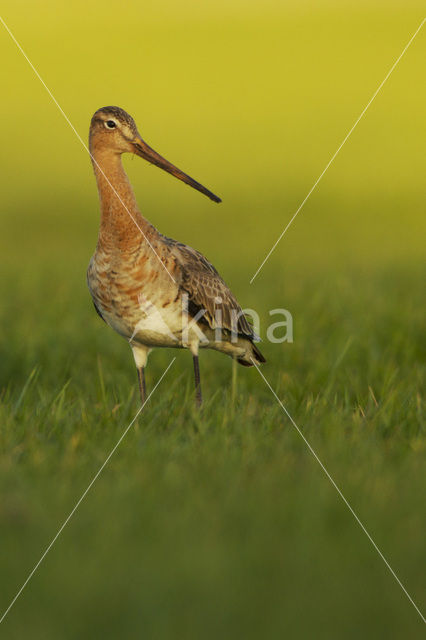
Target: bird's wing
[206, 290]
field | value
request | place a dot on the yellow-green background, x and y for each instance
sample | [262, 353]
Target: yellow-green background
[219, 527]
[251, 98]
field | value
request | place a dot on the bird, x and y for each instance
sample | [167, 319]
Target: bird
[153, 290]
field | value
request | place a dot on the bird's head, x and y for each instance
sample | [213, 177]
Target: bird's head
[114, 129]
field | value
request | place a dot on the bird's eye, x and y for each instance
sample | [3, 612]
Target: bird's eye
[110, 124]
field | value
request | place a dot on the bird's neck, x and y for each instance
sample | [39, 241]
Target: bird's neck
[121, 223]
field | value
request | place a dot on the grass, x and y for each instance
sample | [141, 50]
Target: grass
[221, 523]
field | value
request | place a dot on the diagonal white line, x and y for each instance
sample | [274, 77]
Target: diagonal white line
[82, 142]
[338, 149]
[339, 492]
[80, 500]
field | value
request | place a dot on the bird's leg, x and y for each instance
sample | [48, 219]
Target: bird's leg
[198, 395]
[234, 381]
[140, 354]
[142, 386]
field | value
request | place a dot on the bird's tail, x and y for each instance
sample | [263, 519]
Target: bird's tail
[251, 357]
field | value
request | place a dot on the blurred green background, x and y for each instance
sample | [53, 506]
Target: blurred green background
[223, 524]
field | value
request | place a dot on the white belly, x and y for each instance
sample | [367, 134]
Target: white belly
[159, 327]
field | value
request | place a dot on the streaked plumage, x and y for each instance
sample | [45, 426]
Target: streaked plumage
[144, 285]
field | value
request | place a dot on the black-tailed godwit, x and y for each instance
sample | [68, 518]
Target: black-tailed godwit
[155, 291]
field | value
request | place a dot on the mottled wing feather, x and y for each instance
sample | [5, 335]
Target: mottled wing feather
[204, 286]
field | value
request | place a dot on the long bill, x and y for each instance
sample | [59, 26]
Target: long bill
[144, 151]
